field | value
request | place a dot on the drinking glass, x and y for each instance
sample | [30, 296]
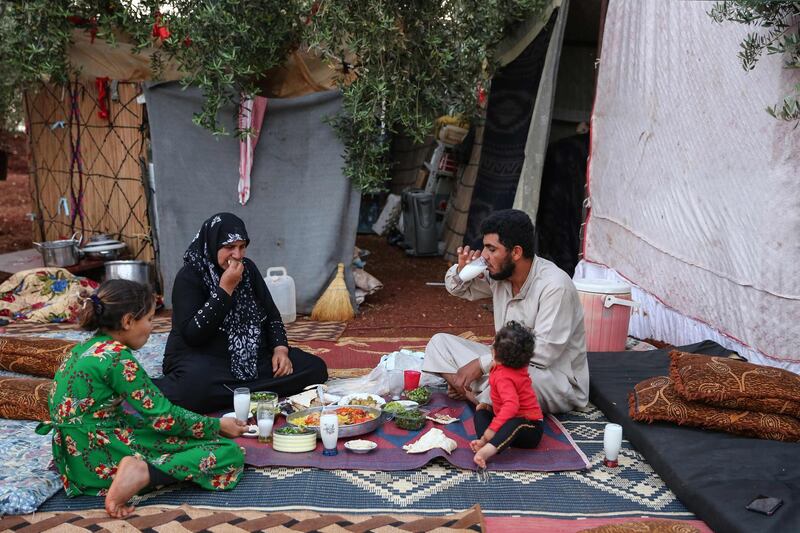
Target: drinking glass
[265, 417]
[612, 442]
[411, 379]
[241, 403]
[329, 431]
[472, 269]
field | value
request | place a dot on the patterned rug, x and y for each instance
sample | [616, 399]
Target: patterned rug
[300, 330]
[631, 490]
[556, 452]
[187, 518]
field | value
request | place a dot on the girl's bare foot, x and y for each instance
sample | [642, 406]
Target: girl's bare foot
[131, 477]
[484, 454]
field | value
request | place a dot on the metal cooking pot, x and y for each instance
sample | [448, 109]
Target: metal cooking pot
[61, 253]
[132, 270]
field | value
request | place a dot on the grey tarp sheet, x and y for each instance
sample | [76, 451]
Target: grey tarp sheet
[302, 213]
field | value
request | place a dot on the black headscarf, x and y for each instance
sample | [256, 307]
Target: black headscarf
[243, 321]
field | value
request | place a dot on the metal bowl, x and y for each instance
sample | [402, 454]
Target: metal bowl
[350, 430]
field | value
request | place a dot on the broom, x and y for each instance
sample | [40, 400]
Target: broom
[334, 304]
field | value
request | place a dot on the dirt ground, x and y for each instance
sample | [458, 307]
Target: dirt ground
[405, 307]
[16, 229]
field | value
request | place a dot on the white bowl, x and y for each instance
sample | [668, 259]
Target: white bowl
[360, 445]
[362, 396]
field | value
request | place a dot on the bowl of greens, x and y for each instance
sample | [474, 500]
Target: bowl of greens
[421, 395]
[411, 419]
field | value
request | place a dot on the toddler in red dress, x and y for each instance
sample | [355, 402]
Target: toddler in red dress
[514, 418]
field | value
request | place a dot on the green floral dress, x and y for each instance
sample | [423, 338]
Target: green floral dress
[93, 432]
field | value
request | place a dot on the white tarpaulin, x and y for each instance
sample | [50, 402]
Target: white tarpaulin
[695, 189]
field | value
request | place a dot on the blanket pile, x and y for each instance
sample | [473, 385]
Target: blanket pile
[722, 394]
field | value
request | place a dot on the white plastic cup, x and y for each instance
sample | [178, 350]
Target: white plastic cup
[241, 403]
[473, 269]
[612, 442]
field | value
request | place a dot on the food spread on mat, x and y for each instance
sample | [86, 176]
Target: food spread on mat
[348, 416]
[433, 438]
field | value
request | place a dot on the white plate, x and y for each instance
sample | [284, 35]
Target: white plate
[362, 396]
[372, 446]
[408, 404]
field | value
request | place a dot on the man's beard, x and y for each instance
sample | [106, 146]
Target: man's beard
[505, 272]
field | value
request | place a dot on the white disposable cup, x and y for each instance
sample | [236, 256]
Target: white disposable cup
[472, 269]
[241, 403]
[612, 442]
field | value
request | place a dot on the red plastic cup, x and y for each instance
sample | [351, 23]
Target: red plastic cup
[411, 379]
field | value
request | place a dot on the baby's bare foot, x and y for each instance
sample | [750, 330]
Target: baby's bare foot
[479, 460]
[131, 477]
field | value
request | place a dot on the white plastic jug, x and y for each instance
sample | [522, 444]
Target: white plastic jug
[281, 287]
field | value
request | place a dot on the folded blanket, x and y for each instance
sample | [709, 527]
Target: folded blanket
[734, 384]
[25, 398]
[42, 295]
[33, 355]
[656, 399]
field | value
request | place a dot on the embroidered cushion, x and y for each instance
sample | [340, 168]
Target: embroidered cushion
[655, 399]
[33, 355]
[733, 384]
[25, 398]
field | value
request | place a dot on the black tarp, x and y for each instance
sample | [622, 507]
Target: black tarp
[715, 474]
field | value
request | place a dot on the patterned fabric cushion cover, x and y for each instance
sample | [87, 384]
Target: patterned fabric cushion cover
[25, 398]
[733, 384]
[656, 399]
[644, 526]
[33, 355]
[25, 479]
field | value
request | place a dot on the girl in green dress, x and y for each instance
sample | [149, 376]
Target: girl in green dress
[103, 449]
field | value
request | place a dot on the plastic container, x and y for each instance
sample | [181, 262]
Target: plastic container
[281, 287]
[606, 313]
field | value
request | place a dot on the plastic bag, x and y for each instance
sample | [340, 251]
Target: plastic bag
[386, 379]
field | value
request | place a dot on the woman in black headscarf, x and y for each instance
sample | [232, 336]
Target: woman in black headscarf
[226, 330]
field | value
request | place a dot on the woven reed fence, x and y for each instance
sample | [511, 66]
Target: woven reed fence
[89, 173]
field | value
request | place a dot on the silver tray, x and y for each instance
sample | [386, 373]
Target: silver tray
[344, 431]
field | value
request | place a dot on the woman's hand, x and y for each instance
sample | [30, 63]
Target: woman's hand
[281, 364]
[231, 276]
[465, 255]
[231, 427]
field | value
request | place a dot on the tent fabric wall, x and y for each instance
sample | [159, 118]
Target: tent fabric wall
[695, 196]
[303, 211]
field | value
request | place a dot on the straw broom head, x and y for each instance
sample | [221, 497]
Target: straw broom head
[334, 304]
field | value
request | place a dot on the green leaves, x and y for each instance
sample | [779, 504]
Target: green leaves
[412, 60]
[782, 36]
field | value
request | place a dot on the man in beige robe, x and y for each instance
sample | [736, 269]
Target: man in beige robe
[530, 290]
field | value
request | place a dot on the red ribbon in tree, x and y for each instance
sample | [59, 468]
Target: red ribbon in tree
[102, 97]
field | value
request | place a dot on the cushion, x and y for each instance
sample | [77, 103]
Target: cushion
[644, 526]
[25, 398]
[733, 384]
[33, 355]
[656, 399]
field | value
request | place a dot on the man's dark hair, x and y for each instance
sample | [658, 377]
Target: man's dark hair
[513, 345]
[513, 228]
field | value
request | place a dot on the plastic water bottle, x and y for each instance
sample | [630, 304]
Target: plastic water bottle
[281, 287]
